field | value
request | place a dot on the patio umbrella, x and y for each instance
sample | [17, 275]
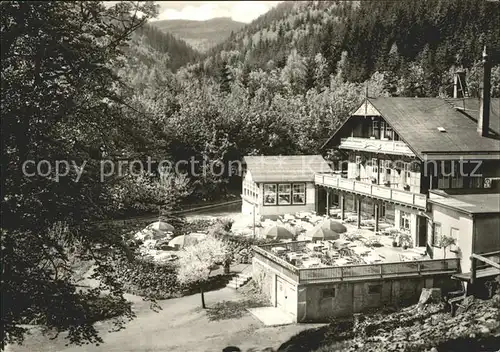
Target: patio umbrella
[161, 226]
[183, 241]
[333, 225]
[277, 232]
[177, 242]
[319, 233]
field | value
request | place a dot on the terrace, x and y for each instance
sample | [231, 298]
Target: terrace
[284, 257]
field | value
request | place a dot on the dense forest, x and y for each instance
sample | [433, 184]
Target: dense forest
[150, 43]
[409, 40]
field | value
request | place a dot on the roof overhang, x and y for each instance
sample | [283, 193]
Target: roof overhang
[461, 155]
[472, 214]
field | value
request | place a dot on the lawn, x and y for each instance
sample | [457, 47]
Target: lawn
[181, 325]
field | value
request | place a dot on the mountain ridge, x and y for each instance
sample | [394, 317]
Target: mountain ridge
[201, 35]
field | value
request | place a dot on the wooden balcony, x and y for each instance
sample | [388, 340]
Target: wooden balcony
[415, 200]
[375, 146]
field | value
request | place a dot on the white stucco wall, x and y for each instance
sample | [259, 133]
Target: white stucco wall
[453, 219]
[247, 204]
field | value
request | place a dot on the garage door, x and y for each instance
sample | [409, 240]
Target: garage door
[286, 296]
[280, 293]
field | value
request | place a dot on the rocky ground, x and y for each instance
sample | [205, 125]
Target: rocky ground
[429, 327]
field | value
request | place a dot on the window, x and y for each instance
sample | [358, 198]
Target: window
[454, 233]
[299, 193]
[269, 194]
[476, 182]
[372, 289]
[375, 128]
[436, 234]
[386, 165]
[374, 165]
[406, 173]
[328, 293]
[404, 223]
[284, 194]
[388, 132]
[250, 189]
[382, 210]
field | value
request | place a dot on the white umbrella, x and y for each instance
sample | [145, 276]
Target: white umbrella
[333, 225]
[319, 233]
[161, 226]
[277, 232]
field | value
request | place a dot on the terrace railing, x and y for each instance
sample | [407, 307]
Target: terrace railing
[380, 270]
[375, 145]
[276, 263]
[354, 272]
[396, 195]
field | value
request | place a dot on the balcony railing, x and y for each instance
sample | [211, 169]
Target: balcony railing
[375, 146]
[378, 191]
[353, 272]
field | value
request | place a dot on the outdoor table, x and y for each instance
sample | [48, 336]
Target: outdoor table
[361, 250]
[333, 254]
[311, 262]
[295, 255]
[372, 259]
[313, 246]
[342, 261]
[278, 250]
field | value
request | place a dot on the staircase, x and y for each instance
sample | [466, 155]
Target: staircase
[456, 297]
[239, 280]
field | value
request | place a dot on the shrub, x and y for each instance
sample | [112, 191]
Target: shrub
[339, 330]
[196, 225]
[146, 278]
[152, 280]
[106, 307]
[237, 244]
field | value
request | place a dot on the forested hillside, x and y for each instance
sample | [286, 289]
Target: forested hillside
[201, 35]
[417, 42]
[150, 44]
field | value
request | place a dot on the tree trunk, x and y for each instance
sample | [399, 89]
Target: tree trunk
[202, 298]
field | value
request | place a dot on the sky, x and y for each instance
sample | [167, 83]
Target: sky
[241, 11]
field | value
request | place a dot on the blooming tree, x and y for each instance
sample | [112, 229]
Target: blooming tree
[445, 242]
[196, 262]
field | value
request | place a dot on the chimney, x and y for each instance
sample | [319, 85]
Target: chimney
[483, 123]
[459, 85]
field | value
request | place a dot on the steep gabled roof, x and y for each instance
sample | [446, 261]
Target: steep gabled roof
[416, 121]
[285, 168]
